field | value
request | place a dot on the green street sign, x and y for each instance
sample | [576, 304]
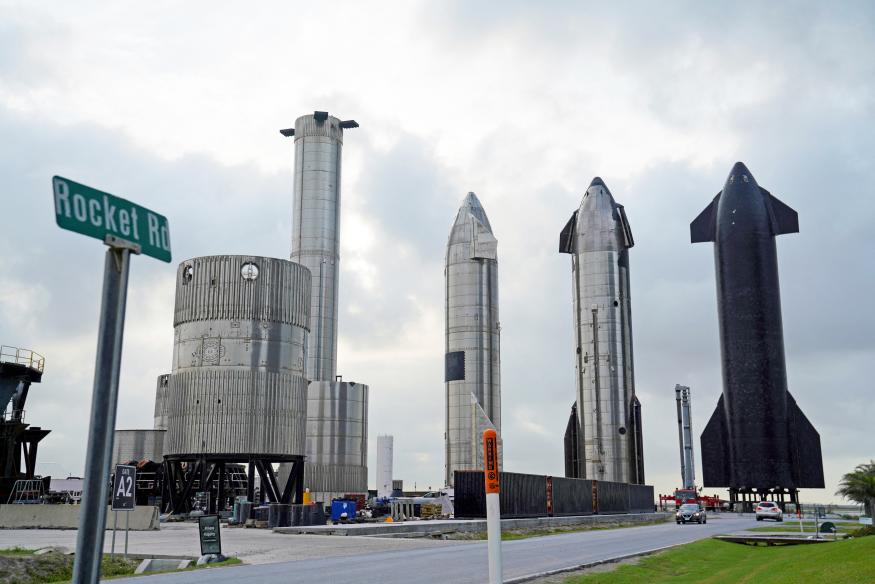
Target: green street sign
[97, 214]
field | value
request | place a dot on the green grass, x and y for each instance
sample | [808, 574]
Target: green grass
[716, 562]
[16, 551]
[20, 566]
[808, 527]
[510, 535]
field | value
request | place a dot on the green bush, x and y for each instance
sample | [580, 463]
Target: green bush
[863, 531]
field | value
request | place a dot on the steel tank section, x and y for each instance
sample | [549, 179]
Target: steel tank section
[240, 334]
[598, 237]
[138, 445]
[163, 382]
[472, 359]
[316, 230]
[337, 439]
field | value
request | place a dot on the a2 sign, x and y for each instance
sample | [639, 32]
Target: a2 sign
[124, 488]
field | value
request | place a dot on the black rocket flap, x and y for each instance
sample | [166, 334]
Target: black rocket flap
[566, 238]
[784, 219]
[624, 222]
[703, 227]
[715, 448]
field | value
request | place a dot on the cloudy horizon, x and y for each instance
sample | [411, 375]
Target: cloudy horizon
[178, 108]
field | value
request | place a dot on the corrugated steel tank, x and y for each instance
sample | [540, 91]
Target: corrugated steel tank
[337, 439]
[240, 332]
[138, 445]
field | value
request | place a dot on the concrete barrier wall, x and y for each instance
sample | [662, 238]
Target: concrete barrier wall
[142, 518]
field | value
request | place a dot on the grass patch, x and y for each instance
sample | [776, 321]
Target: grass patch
[514, 534]
[20, 566]
[807, 526]
[16, 551]
[718, 562]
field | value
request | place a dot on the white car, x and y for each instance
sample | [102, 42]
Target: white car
[769, 510]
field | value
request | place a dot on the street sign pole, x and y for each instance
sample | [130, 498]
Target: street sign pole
[114, 528]
[92, 519]
[126, 228]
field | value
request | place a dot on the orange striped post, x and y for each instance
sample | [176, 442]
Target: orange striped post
[492, 484]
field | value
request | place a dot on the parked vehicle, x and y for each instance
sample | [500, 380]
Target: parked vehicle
[769, 510]
[691, 513]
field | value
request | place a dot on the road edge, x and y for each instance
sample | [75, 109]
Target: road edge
[530, 577]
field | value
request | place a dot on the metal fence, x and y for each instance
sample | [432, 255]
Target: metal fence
[572, 496]
[524, 495]
[24, 357]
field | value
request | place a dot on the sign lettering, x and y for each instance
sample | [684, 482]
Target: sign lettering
[124, 488]
[97, 214]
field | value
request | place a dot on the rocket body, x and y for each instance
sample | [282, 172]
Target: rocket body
[757, 438]
[598, 238]
[472, 356]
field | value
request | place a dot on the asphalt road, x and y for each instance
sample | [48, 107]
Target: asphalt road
[463, 564]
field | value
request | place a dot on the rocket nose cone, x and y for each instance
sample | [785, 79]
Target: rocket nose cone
[597, 182]
[740, 168]
[740, 175]
[471, 207]
[472, 201]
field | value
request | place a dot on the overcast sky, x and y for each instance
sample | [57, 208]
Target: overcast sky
[177, 106]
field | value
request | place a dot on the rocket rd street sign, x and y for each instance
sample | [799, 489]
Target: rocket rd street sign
[125, 228]
[97, 214]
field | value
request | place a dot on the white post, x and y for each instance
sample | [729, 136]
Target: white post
[493, 505]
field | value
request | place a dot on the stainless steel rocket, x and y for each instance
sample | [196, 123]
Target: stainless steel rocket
[757, 438]
[472, 362]
[316, 230]
[598, 238]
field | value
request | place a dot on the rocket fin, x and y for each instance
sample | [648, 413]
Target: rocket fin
[566, 238]
[805, 449]
[624, 223]
[636, 443]
[572, 446]
[704, 227]
[715, 450]
[784, 218]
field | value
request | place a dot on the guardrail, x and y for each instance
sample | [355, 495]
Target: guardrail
[24, 357]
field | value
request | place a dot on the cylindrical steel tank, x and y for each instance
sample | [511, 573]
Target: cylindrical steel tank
[138, 445]
[337, 439]
[161, 401]
[238, 386]
[385, 447]
[316, 231]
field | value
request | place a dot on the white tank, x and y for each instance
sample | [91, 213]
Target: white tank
[385, 447]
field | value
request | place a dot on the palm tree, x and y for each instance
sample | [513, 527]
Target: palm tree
[859, 486]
